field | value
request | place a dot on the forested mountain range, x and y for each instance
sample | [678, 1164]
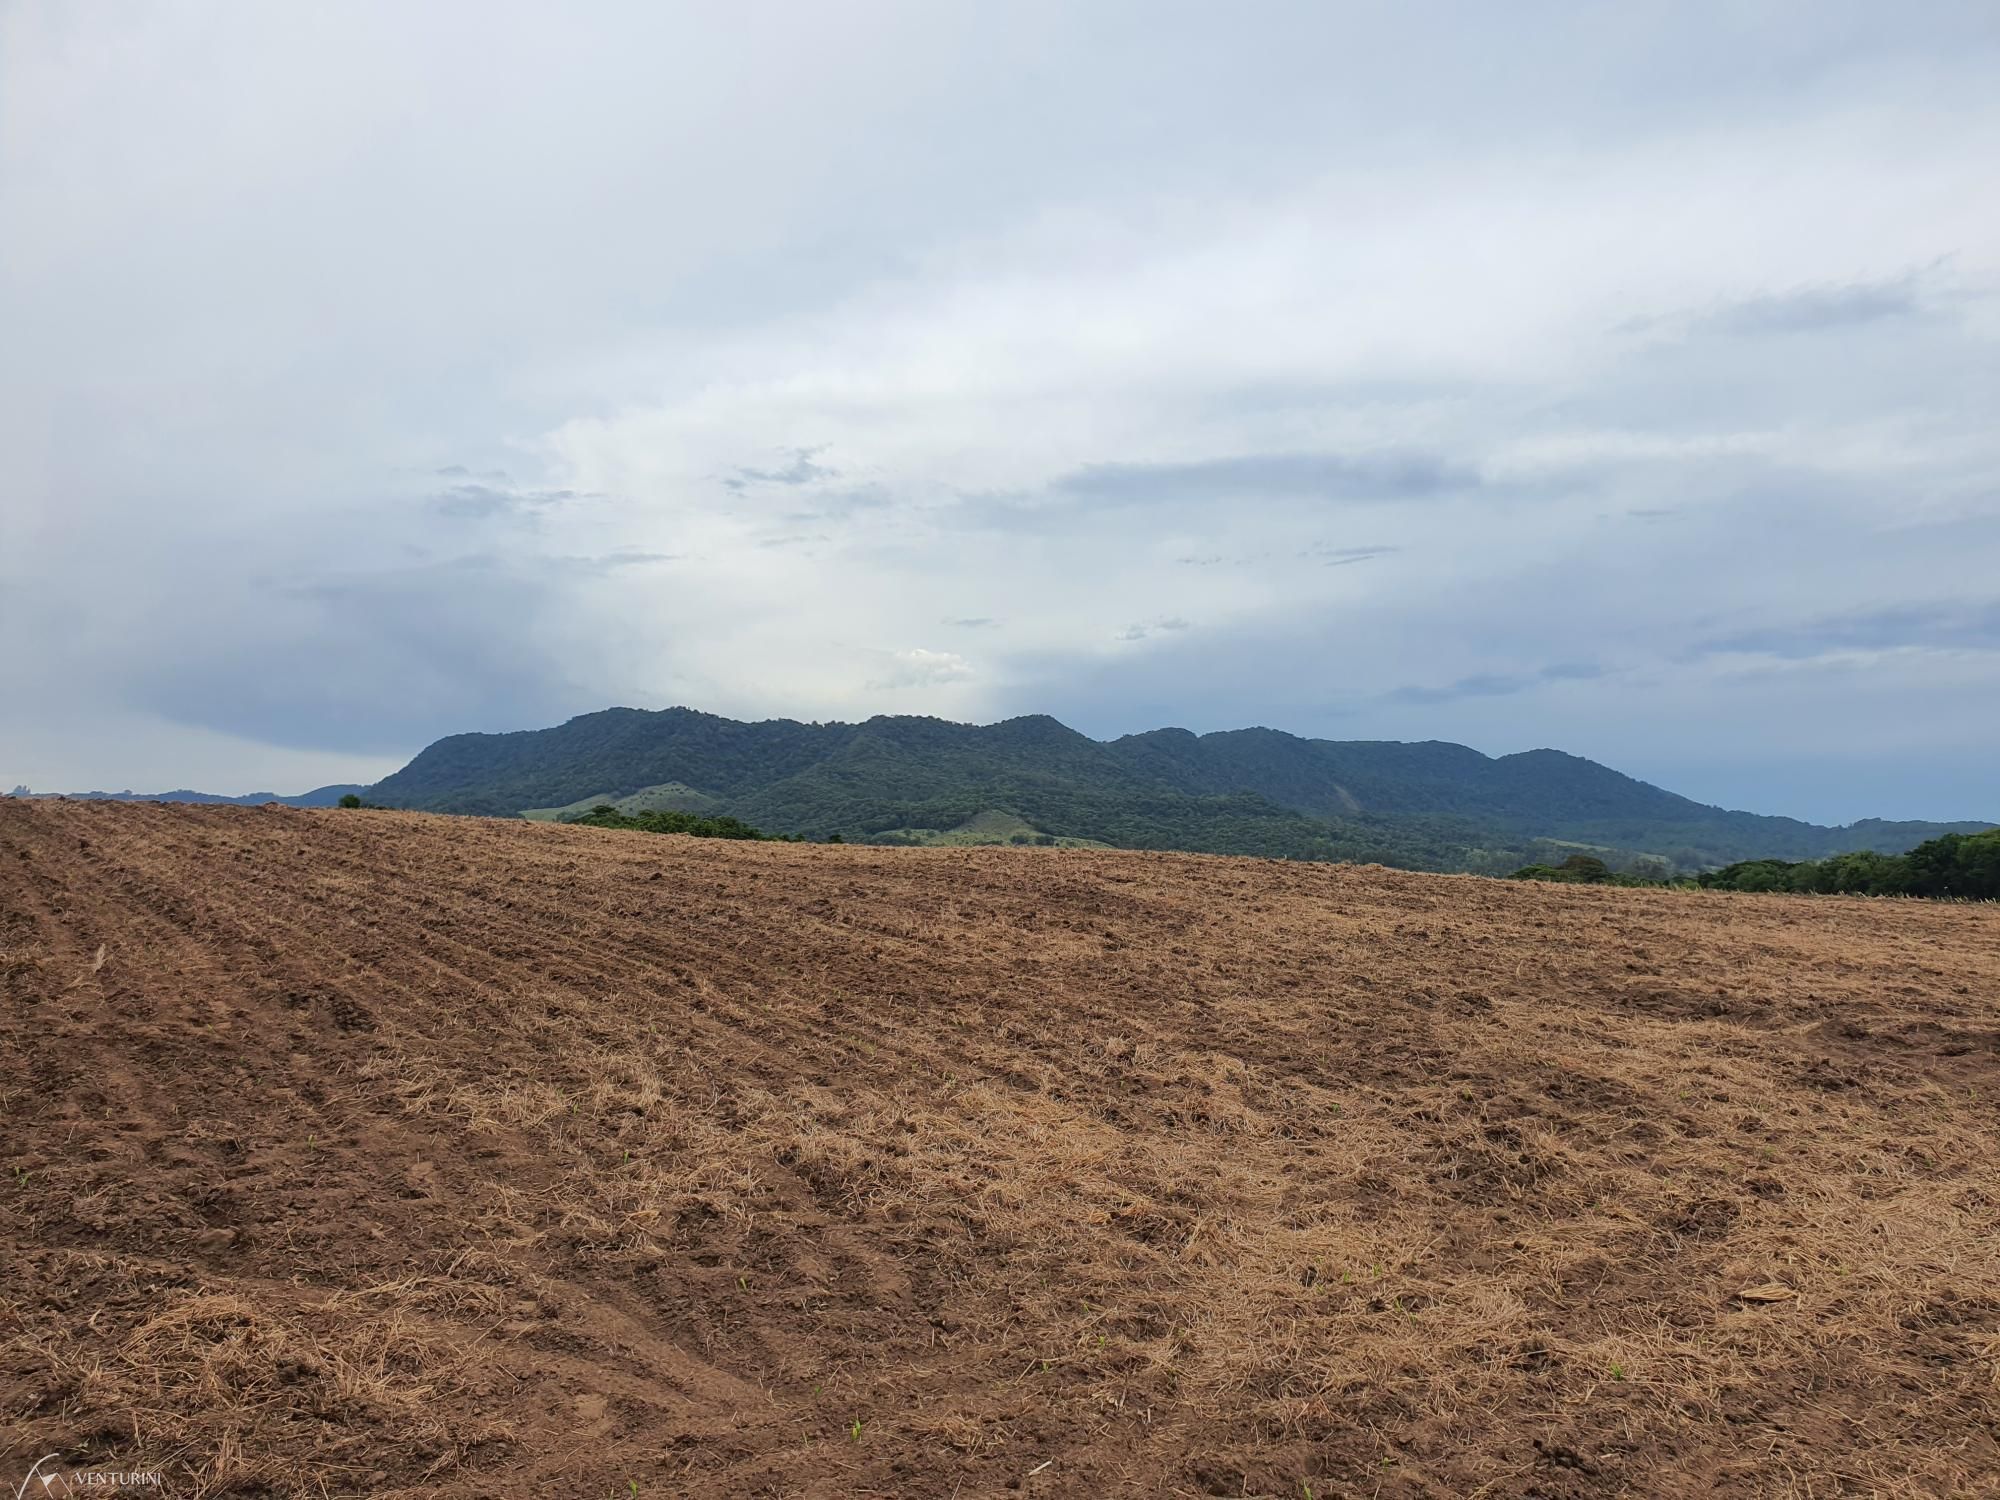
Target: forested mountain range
[1429, 805]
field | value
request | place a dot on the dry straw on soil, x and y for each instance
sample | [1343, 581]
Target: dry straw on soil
[370, 1154]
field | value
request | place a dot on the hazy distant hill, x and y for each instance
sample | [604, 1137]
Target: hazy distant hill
[1539, 792]
[325, 796]
[1254, 791]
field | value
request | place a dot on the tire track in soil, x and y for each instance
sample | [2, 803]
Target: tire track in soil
[165, 922]
[301, 937]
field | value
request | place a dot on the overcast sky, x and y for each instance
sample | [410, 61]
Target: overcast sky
[1622, 379]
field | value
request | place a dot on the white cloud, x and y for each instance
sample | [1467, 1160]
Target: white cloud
[918, 667]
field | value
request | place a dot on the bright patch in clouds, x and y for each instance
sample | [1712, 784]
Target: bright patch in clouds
[920, 668]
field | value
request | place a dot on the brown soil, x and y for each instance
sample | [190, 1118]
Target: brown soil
[355, 1153]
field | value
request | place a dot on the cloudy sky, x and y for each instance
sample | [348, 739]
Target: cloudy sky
[1616, 378]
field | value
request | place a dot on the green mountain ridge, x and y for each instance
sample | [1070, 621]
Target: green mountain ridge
[1426, 805]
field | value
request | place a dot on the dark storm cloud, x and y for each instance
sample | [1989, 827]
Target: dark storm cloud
[1831, 307]
[801, 470]
[1250, 480]
[1812, 309]
[1495, 684]
[1973, 626]
[1156, 627]
[837, 505]
[1329, 476]
[614, 561]
[480, 501]
[1478, 685]
[371, 662]
[1342, 557]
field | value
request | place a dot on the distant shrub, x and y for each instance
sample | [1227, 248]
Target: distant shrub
[349, 799]
[1578, 869]
[604, 815]
[1582, 869]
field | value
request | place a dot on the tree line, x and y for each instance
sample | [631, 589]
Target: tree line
[1953, 867]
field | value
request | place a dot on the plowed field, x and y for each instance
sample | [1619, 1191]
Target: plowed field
[358, 1153]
